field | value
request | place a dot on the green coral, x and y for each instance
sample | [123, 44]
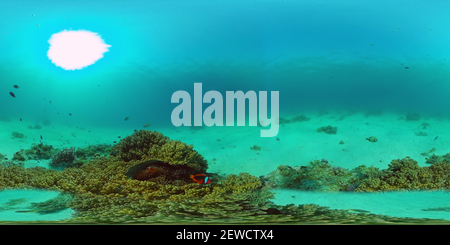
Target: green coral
[40, 151]
[327, 129]
[92, 151]
[35, 152]
[144, 145]
[64, 158]
[17, 135]
[19, 156]
[435, 158]
[406, 174]
[102, 191]
[316, 176]
[402, 174]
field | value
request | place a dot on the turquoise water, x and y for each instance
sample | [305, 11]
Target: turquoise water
[362, 66]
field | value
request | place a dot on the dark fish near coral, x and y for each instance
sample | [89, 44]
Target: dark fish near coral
[41, 137]
[147, 125]
[200, 178]
[26, 211]
[126, 118]
[12, 94]
[140, 167]
[15, 86]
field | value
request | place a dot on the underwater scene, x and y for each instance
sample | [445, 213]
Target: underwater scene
[224, 112]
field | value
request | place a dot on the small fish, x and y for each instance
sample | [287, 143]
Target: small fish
[15, 86]
[37, 25]
[151, 170]
[147, 125]
[118, 137]
[20, 119]
[50, 101]
[12, 94]
[115, 142]
[41, 136]
[70, 114]
[126, 118]
[200, 178]
[436, 138]
[26, 211]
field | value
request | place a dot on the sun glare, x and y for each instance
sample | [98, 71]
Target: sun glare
[74, 50]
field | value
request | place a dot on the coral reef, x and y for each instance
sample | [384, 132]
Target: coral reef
[144, 145]
[129, 187]
[93, 151]
[36, 152]
[17, 135]
[435, 158]
[327, 129]
[406, 174]
[402, 174]
[316, 176]
[7, 163]
[40, 151]
[63, 158]
[19, 156]
[102, 192]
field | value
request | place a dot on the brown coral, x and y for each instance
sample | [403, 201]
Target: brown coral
[406, 174]
[145, 145]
